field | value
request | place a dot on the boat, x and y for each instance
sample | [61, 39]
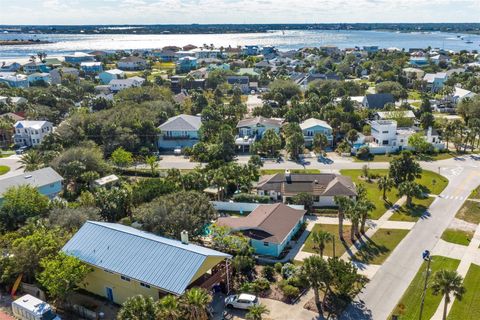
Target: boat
[468, 41]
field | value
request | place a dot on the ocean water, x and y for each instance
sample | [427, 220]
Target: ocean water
[69, 43]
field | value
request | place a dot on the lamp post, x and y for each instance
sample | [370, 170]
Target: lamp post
[426, 257]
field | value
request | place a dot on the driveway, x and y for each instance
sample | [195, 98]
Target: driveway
[13, 163]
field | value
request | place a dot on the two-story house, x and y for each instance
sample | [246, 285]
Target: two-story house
[312, 126]
[31, 133]
[109, 75]
[91, 67]
[39, 77]
[179, 131]
[14, 81]
[79, 57]
[186, 64]
[132, 63]
[9, 66]
[116, 85]
[59, 74]
[435, 81]
[253, 129]
[34, 67]
[241, 82]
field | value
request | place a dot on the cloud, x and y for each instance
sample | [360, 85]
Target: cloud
[236, 11]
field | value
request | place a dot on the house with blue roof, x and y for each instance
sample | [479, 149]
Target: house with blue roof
[128, 262]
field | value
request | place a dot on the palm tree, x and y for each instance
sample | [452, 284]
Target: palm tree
[410, 189]
[320, 239]
[446, 282]
[354, 215]
[169, 308]
[343, 204]
[257, 312]
[318, 276]
[31, 161]
[138, 308]
[385, 184]
[152, 163]
[195, 302]
[365, 206]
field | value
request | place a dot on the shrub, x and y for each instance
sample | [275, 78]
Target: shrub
[363, 152]
[278, 267]
[261, 285]
[247, 287]
[250, 198]
[290, 291]
[288, 270]
[268, 273]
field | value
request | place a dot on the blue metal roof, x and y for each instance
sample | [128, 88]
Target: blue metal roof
[164, 263]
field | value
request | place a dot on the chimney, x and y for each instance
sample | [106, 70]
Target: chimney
[288, 176]
[184, 237]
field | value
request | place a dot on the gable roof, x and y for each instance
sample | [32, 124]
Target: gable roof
[183, 122]
[37, 178]
[268, 222]
[34, 124]
[164, 263]
[259, 121]
[320, 184]
[379, 100]
[312, 122]
[394, 114]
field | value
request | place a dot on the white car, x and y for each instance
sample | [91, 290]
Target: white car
[241, 301]
[177, 151]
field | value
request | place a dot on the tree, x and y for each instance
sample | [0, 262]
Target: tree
[269, 144]
[169, 308]
[257, 312]
[316, 273]
[304, 199]
[62, 275]
[404, 168]
[345, 278]
[385, 184]
[195, 303]
[427, 120]
[138, 308]
[320, 142]
[294, 140]
[447, 282]
[419, 144]
[31, 160]
[152, 162]
[344, 206]
[352, 136]
[122, 158]
[320, 239]
[410, 189]
[114, 203]
[170, 214]
[469, 108]
[19, 204]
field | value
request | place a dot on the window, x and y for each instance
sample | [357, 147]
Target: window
[144, 285]
[125, 278]
[384, 131]
[385, 142]
[265, 244]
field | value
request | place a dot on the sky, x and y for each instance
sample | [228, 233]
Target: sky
[235, 11]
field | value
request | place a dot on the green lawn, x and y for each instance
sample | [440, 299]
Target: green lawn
[379, 247]
[458, 236]
[409, 305]
[4, 169]
[413, 213]
[373, 193]
[470, 212]
[340, 247]
[4, 154]
[433, 182]
[377, 158]
[274, 171]
[469, 307]
[475, 193]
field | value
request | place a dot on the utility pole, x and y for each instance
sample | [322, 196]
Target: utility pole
[426, 257]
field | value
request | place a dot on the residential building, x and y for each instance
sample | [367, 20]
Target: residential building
[329, 49]
[303, 80]
[270, 227]
[31, 133]
[180, 83]
[312, 126]
[121, 84]
[461, 94]
[132, 63]
[413, 74]
[179, 131]
[389, 115]
[34, 67]
[14, 81]
[186, 64]
[165, 55]
[109, 75]
[46, 180]
[202, 53]
[13, 100]
[377, 100]
[418, 61]
[242, 82]
[253, 129]
[9, 66]
[370, 49]
[127, 262]
[435, 81]
[91, 67]
[79, 57]
[251, 50]
[57, 75]
[440, 59]
[37, 77]
[324, 187]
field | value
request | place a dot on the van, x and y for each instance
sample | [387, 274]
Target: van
[30, 308]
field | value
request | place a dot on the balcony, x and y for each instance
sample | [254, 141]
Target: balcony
[245, 140]
[182, 137]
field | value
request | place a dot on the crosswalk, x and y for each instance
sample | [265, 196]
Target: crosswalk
[451, 197]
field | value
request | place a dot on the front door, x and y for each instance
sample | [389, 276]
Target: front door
[109, 293]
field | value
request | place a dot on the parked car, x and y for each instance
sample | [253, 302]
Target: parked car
[21, 150]
[241, 301]
[177, 151]
[30, 308]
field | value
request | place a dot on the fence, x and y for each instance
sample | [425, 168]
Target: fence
[243, 206]
[33, 290]
[82, 312]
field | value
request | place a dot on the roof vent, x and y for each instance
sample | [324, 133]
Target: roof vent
[316, 181]
[184, 237]
[28, 176]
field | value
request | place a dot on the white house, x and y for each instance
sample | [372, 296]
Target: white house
[31, 133]
[120, 84]
[461, 94]
[132, 63]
